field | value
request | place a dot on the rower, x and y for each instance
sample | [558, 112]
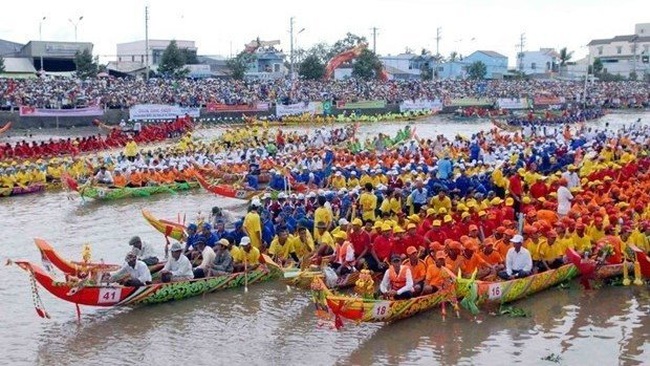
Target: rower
[136, 270]
[223, 262]
[397, 283]
[207, 258]
[178, 267]
[248, 257]
[418, 269]
[437, 274]
[143, 251]
[104, 176]
[518, 261]
[343, 261]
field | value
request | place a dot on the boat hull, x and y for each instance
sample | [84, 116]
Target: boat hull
[171, 229]
[109, 194]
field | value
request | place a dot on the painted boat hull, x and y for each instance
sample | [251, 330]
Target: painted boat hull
[644, 261]
[592, 270]
[5, 128]
[116, 295]
[226, 190]
[109, 194]
[501, 292]
[370, 310]
[171, 229]
[19, 191]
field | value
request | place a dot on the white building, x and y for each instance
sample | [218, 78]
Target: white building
[136, 51]
[542, 62]
[401, 66]
[624, 54]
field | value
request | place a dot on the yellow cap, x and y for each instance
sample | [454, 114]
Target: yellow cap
[357, 221]
[436, 223]
[510, 201]
[442, 210]
[448, 218]
[341, 235]
[464, 215]
[411, 226]
[398, 230]
[431, 211]
[386, 227]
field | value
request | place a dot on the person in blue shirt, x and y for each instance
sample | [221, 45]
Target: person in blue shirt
[192, 236]
[474, 152]
[209, 238]
[277, 182]
[444, 167]
[220, 231]
[252, 182]
[237, 233]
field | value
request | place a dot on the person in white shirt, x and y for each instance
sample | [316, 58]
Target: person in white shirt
[207, 258]
[178, 267]
[564, 198]
[397, 283]
[103, 176]
[143, 251]
[519, 263]
[133, 273]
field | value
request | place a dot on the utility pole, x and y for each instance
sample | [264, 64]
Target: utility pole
[374, 39]
[146, 40]
[40, 38]
[636, 37]
[291, 46]
[520, 56]
[437, 58]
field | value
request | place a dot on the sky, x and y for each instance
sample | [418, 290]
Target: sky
[221, 26]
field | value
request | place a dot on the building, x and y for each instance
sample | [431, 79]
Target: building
[539, 63]
[625, 54]
[452, 70]
[8, 48]
[268, 61]
[405, 66]
[49, 56]
[496, 63]
[136, 51]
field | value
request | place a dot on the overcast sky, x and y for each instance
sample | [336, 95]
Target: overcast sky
[215, 25]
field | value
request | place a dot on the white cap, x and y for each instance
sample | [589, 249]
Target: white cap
[245, 240]
[282, 195]
[343, 221]
[517, 239]
[256, 202]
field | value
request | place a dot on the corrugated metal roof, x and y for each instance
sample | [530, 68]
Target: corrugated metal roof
[19, 65]
[492, 54]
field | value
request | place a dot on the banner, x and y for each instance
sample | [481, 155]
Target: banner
[420, 105]
[93, 111]
[548, 100]
[298, 108]
[364, 104]
[513, 103]
[466, 102]
[160, 111]
[216, 107]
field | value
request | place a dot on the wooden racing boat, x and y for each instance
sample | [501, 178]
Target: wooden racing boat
[501, 292]
[171, 229]
[19, 191]
[92, 293]
[373, 310]
[297, 277]
[591, 269]
[104, 126]
[6, 127]
[505, 126]
[81, 269]
[226, 190]
[108, 193]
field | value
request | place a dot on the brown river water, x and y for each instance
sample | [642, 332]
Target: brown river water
[270, 325]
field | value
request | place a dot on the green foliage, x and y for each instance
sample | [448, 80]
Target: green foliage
[321, 51]
[350, 40]
[172, 62]
[514, 312]
[2, 64]
[239, 64]
[597, 66]
[633, 76]
[189, 56]
[605, 76]
[85, 64]
[477, 70]
[453, 56]
[426, 71]
[565, 56]
[312, 68]
[367, 66]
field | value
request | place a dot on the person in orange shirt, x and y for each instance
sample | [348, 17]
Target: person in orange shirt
[491, 256]
[135, 179]
[418, 269]
[119, 180]
[548, 215]
[437, 275]
[502, 246]
[474, 262]
[454, 259]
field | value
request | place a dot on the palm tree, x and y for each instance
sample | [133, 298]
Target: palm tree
[453, 57]
[565, 56]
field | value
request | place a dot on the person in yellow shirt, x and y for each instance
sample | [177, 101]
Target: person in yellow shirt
[564, 238]
[281, 248]
[353, 181]
[365, 179]
[322, 214]
[247, 257]
[581, 240]
[597, 229]
[550, 253]
[338, 181]
[368, 203]
[131, 149]
[253, 226]
[303, 243]
[441, 201]
[325, 243]
[533, 242]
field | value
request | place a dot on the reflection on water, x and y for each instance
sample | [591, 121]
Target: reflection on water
[270, 325]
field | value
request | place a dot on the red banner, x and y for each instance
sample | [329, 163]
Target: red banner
[216, 107]
[26, 111]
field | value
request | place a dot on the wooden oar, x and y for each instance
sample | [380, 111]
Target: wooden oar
[245, 274]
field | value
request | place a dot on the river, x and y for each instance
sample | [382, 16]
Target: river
[271, 325]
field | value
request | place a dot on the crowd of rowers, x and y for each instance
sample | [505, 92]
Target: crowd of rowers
[116, 138]
[597, 204]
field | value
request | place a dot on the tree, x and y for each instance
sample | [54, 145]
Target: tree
[172, 62]
[477, 70]
[312, 68]
[367, 66]
[350, 40]
[320, 50]
[2, 64]
[597, 66]
[85, 64]
[453, 56]
[565, 56]
[189, 56]
[239, 64]
[633, 76]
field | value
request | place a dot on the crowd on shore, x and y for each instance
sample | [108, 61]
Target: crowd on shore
[124, 93]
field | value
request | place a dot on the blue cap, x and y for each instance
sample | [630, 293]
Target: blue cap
[191, 227]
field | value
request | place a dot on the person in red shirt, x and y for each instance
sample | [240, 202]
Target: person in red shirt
[397, 242]
[508, 212]
[360, 239]
[381, 249]
[436, 233]
[412, 238]
[538, 189]
[515, 188]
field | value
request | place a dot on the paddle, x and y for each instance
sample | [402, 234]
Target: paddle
[245, 274]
